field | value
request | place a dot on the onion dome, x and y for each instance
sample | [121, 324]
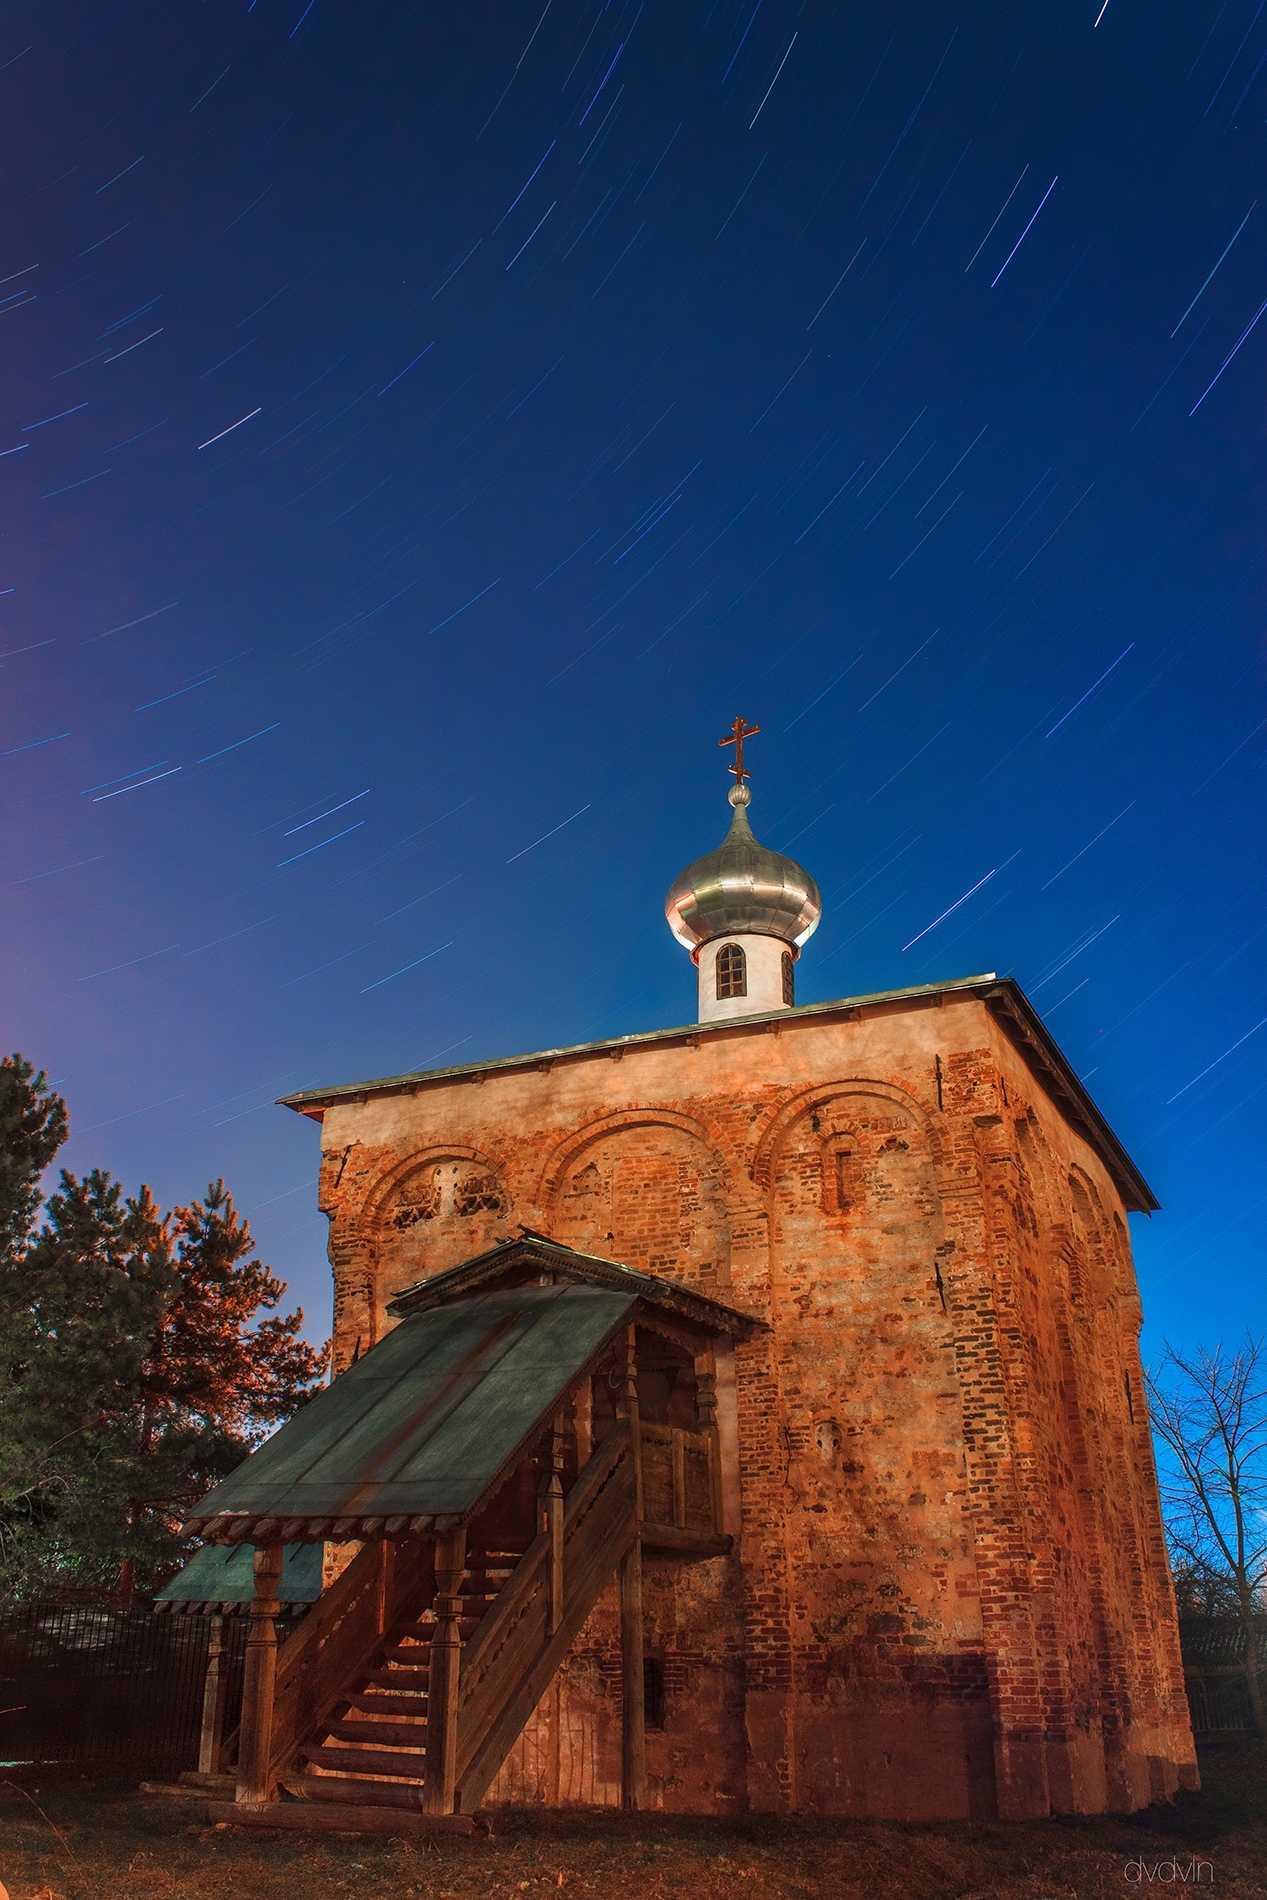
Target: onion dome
[742, 888]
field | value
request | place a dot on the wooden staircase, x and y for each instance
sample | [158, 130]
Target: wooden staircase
[374, 1749]
[411, 1679]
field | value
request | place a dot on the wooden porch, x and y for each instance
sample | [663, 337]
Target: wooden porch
[410, 1680]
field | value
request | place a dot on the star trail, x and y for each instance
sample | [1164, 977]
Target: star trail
[419, 425]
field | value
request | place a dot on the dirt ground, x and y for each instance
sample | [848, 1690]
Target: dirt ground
[74, 1833]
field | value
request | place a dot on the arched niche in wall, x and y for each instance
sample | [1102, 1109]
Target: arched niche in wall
[431, 1211]
[647, 1188]
[1095, 1241]
[1035, 1175]
[861, 1305]
[853, 1153]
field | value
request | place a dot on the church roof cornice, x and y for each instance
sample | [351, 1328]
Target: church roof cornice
[1002, 996]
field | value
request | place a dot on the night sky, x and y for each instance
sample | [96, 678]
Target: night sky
[425, 428]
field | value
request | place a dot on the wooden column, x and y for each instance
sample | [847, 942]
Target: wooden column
[386, 1582]
[446, 1663]
[255, 1781]
[628, 1408]
[633, 1726]
[583, 1422]
[211, 1737]
[706, 1407]
[552, 1521]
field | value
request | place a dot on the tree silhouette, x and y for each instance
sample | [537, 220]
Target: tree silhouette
[141, 1358]
[1210, 1412]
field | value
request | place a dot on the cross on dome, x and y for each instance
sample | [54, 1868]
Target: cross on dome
[736, 736]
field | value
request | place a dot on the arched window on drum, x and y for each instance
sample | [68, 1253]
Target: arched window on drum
[732, 972]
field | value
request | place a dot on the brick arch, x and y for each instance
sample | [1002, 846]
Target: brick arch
[781, 1124]
[382, 1192]
[1080, 1180]
[1099, 1241]
[647, 1187]
[570, 1149]
[1040, 1171]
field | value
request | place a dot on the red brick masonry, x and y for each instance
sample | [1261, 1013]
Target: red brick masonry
[949, 1593]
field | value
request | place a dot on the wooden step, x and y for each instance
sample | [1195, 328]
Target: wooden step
[369, 1761]
[418, 1655]
[400, 1678]
[311, 1817]
[384, 1794]
[382, 1734]
[471, 1610]
[383, 1702]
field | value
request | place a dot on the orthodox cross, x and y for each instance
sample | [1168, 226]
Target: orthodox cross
[736, 736]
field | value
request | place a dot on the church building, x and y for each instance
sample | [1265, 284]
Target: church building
[745, 1416]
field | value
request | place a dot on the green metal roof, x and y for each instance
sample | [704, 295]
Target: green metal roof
[426, 1423]
[225, 1573]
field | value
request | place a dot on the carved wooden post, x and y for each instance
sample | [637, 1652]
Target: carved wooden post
[255, 1781]
[442, 1687]
[211, 1737]
[386, 1580]
[633, 1744]
[552, 1522]
[583, 1421]
[678, 1453]
[706, 1407]
[633, 1740]
[628, 1408]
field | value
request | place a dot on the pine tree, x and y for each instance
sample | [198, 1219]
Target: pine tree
[135, 1369]
[83, 1299]
[33, 1126]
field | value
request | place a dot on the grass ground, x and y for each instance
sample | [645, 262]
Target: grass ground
[72, 1833]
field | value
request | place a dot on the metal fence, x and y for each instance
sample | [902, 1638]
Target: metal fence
[1219, 1704]
[1214, 1649]
[80, 1684]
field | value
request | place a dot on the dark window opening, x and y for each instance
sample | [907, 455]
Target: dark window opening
[732, 972]
[789, 980]
[653, 1691]
[845, 1194]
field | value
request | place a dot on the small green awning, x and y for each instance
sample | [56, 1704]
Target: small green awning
[425, 1424]
[221, 1575]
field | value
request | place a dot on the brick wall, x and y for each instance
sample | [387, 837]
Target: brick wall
[948, 1594]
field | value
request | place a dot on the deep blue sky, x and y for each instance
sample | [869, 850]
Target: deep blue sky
[424, 428]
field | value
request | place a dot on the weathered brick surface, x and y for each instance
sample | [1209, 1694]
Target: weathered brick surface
[948, 1593]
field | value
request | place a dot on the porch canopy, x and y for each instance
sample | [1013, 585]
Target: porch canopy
[419, 1433]
[219, 1579]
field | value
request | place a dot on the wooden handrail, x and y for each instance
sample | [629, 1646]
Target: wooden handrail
[530, 1577]
[515, 1652]
[384, 1580]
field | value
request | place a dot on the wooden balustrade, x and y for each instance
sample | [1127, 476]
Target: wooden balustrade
[384, 1581]
[681, 1507]
[643, 1484]
[519, 1645]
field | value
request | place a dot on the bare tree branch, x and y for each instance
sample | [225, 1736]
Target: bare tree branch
[1209, 1412]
